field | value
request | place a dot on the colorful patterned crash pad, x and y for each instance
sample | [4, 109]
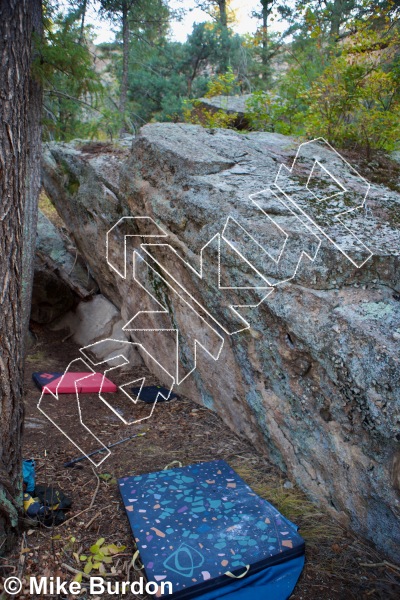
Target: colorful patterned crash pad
[192, 525]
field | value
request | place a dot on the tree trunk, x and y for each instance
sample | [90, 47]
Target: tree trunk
[83, 17]
[266, 10]
[34, 138]
[225, 42]
[223, 15]
[125, 59]
[17, 18]
[337, 14]
[264, 52]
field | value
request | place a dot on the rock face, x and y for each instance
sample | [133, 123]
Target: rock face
[60, 277]
[51, 297]
[94, 321]
[315, 381]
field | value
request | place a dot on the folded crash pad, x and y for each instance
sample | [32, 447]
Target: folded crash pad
[150, 393]
[65, 383]
[202, 527]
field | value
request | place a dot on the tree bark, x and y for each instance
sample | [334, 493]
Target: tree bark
[17, 132]
[34, 138]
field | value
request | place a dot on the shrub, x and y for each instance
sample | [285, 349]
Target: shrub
[281, 111]
[355, 105]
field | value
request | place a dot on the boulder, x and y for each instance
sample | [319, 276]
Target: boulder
[314, 382]
[231, 105]
[95, 320]
[51, 297]
[60, 277]
[56, 250]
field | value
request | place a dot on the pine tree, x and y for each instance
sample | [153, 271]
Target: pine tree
[20, 24]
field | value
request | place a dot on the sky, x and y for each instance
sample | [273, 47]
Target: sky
[180, 30]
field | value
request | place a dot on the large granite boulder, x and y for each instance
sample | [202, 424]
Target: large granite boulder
[315, 381]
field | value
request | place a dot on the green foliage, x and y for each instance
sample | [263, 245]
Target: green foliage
[156, 85]
[316, 18]
[96, 559]
[264, 44]
[354, 105]
[163, 75]
[72, 88]
[349, 94]
[152, 74]
[113, 9]
[346, 90]
[263, 109]
[194, 113]
[222, 16]
[282, 110]
[356, 100]
[108, 478]
[225, 84]
[108, 124]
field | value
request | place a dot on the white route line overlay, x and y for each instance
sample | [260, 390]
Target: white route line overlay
[303, 253]
[200, 275]
[270, 286]
[283, 168]
[124, 219]
[164, 310]
[127, 343]
[55, 395]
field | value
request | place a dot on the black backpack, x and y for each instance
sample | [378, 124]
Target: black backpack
[56, 502]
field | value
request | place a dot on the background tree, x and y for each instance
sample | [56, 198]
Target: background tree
[208, 51]
[222, 14]
[219, 10]
[72, 87]
[133, 17]
[265, 44]
[326, 16]
[267, 6]
[200, 50]
[20, 21]
[118, 12]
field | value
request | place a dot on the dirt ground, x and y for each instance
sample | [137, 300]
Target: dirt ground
[338, 566]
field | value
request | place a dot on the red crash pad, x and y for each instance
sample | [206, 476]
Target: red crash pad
[86, 383]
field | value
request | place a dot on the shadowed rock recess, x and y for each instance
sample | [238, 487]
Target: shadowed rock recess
[315, 382]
